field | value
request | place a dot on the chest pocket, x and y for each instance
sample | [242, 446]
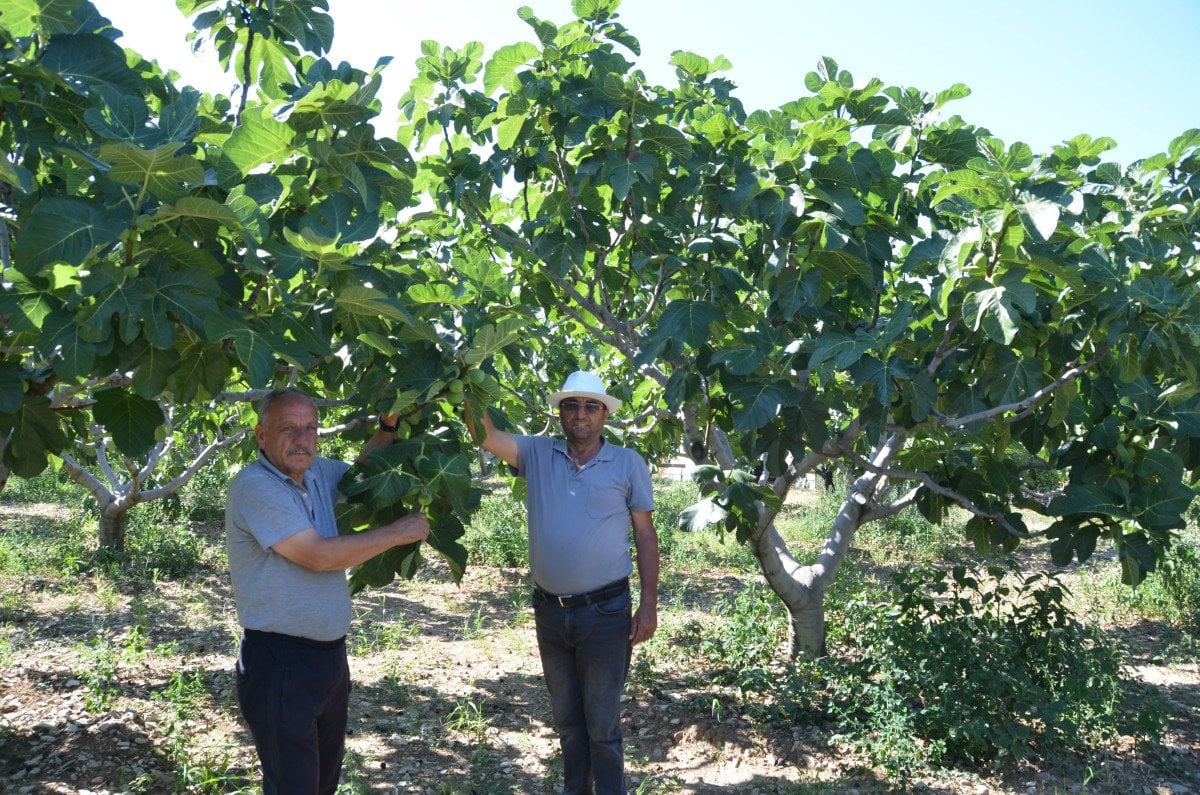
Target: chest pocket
[606, 500]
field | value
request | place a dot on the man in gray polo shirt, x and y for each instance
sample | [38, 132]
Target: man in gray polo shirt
[288, 567]
[584, 496]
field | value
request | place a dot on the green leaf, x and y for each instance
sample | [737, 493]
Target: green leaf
[664, 138]
[688, 321]
[491, 339]
[760, 403]
[513, 109]
[33, 433]
[120, 117]
[595, 10]
[252, 348]
[842, 349]
[842, 203]
[956, 91]
[546, 32]
[449, 475]
[60, 342]
[380, 480]
[1183, 144]
[132, 420]
[700, 515]
[16, 176]
[176, 295]
[840, 266]
[1136, 556]
[359, 299]
[1039, 217]
[199, 208]
[435, 293]
[740, 361]
[12, 388]
[64, 230]
[997, 310]
[622, 172]
[154, 371]
[122, 300]
[1086, 498]
[444, 534]
[976, 188]
[257, 141]
[560, 252]
[85, 59]
[305, 23]
[19, 17]
[1162, 507]
[382, 569]
[504, 64]
[203, 369]
[691, 64]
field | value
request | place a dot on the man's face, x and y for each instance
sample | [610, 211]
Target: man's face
[289, 440]
[582, 419]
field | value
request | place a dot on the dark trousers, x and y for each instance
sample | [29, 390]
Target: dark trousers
[294, 694]
[585, 655]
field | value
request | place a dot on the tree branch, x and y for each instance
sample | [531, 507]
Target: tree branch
[1070, 374]
[90, 482]
[180, 480]
[937, 488]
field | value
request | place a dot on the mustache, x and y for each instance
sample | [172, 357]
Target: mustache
[301, 451]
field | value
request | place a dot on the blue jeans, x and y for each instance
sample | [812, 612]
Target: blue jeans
[585, 655]
[294, 695]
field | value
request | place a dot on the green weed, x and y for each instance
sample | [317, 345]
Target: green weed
[497, 533]
[467, 719]
[1173, 591]
[670, 499]
[907, 536]
[979, 665]
[371, 636]
[185, 695]
[48, 487]
[46, 548]
[746, 639]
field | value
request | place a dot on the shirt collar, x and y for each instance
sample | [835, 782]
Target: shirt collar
[603, 454]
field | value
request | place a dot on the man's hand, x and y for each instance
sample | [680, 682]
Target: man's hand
[313, 551]
[409, 529]
[645, 622]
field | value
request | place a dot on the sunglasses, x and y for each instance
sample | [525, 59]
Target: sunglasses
[575, 406]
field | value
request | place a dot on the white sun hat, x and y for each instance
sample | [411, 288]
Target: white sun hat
[582, 384]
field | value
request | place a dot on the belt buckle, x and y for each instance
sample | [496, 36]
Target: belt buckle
[562, 600]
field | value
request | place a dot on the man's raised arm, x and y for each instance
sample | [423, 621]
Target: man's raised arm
[501, 444]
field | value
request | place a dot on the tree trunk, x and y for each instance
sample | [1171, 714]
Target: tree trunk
[113, 521]
[4, 471]
[802, 588]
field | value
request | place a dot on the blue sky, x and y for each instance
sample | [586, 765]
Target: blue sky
[1040, 71]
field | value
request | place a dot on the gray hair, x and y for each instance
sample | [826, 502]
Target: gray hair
[289, 393]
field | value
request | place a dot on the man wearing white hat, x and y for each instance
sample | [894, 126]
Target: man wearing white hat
[584, 497]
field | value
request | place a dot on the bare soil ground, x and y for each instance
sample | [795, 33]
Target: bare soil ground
[448, 698]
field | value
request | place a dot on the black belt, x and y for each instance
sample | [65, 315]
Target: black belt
[580, 599]
[309, 642]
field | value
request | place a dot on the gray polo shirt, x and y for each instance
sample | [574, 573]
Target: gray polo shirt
[264, 507]
[579, 520]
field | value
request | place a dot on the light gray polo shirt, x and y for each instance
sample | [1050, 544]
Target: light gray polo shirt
[579, 520]
[264, 506]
